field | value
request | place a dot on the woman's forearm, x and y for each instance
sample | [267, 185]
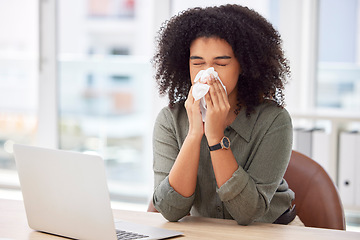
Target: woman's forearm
[183, 174]
[224, 164]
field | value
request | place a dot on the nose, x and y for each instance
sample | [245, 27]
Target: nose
[206, 66]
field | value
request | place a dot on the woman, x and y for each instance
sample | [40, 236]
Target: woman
[195, 169]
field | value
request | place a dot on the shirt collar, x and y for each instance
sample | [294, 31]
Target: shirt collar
[244, 125]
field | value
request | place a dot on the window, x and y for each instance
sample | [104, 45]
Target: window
[338, 83]
[106, 89]
[106, 93]
[18, 82]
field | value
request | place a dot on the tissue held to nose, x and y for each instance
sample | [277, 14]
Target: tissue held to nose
[200, 88]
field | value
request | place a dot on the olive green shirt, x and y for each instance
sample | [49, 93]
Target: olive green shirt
[261, 145]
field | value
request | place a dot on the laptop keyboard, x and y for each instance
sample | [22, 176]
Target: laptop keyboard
[123, 235]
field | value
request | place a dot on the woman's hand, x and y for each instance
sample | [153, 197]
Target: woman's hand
[218, 107]
[196, 125]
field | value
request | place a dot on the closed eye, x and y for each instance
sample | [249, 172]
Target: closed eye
[222, 61]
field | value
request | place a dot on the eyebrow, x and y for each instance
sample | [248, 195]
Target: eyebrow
[223, 57]
[195, 57]
[219, 57]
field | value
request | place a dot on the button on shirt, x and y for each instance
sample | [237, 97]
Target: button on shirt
[261, 145]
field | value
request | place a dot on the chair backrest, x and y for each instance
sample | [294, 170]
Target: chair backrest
[151, 207]
[317, 200]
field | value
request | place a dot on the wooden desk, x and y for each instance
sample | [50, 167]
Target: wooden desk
[13, 225]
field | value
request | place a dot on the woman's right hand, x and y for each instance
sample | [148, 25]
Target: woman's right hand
[196, 125]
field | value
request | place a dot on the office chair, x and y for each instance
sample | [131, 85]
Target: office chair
[317, 200]
[151, 207]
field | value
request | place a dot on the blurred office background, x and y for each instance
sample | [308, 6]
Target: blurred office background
[76, 75]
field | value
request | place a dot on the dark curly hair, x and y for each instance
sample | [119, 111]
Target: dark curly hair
[255, 43]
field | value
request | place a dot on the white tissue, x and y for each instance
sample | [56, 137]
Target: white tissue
[200, 88]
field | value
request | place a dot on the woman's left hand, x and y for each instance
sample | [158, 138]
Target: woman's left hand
[218, 107]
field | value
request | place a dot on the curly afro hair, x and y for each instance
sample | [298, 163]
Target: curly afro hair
[255, 43]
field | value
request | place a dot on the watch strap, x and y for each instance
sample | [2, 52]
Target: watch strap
[215, 147]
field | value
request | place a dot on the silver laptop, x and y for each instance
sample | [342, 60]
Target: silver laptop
[65, 193]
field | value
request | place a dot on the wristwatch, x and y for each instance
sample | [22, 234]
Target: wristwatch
[223, 144]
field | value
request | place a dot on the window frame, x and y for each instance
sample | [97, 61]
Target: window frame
[48, 134]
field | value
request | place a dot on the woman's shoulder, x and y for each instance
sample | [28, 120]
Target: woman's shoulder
[270, 109]
[172, 114]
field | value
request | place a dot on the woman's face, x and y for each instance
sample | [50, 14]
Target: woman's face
[217, 53]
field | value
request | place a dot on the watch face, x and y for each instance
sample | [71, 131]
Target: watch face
[226, 142]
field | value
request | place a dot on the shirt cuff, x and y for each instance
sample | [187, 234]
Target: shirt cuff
[234, 186]
[167, 194]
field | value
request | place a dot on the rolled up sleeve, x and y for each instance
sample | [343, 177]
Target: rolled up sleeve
[172, 205]
[234, 186]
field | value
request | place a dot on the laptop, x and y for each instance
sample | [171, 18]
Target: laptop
[65, 193]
